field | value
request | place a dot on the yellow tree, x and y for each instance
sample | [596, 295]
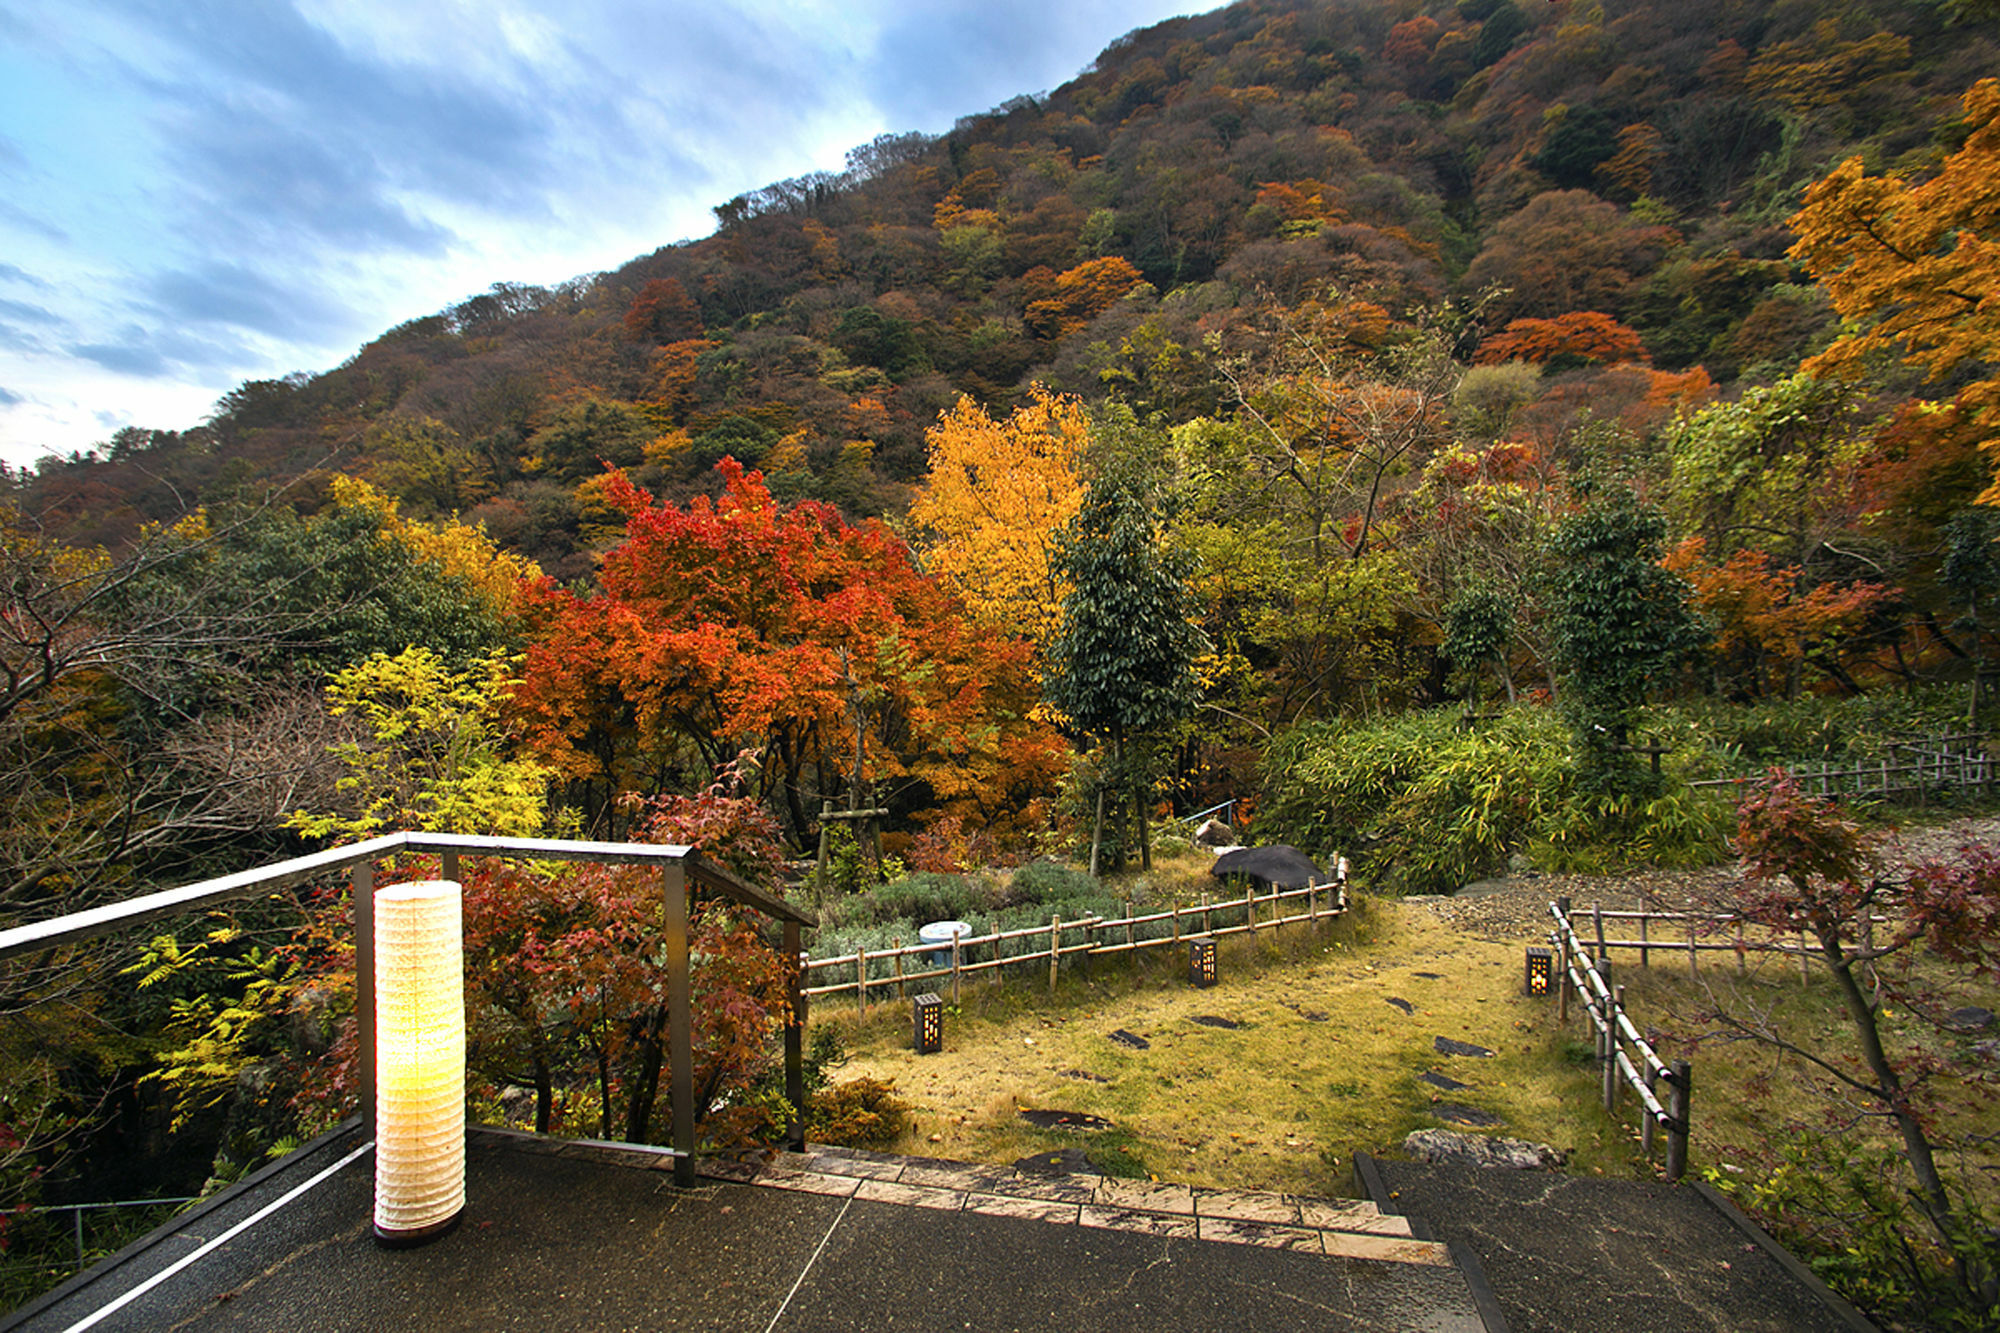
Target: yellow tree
[998, 493]
[1915, 269]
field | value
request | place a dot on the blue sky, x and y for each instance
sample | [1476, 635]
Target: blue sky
[198, 192]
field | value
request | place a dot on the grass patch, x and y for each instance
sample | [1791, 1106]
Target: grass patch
[1320, 1066]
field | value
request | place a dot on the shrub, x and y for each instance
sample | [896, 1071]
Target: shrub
[859, 1113]
[1421, 804]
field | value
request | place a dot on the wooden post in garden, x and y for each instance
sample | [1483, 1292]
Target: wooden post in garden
[1250, 907]
[1649, 1128]
[1645, 919]
[1055, 950]
[861, 979]
[1597, 915]
[1694, 954]
[954, 967]
[1562, 960]
[1677, 1116]
[1611, 1051]
[897, 945]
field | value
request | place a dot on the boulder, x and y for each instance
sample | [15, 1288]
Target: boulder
[1444, 1145]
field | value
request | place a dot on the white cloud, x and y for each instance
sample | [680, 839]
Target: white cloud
[201, 193]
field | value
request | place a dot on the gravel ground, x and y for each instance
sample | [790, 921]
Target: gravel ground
[1517, 907]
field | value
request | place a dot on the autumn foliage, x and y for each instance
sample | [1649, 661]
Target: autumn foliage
[1584, 335]
[738, 623]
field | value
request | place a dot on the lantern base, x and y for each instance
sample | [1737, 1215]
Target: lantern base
[410, 1238]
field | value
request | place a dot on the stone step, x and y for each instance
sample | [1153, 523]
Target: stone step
[1348, 1228]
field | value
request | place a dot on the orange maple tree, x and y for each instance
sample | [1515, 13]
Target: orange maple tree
[1587, 335]
[1767, 629]
[1915, 269]
[737, 623]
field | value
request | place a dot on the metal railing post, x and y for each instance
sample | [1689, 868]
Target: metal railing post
[680, 1018]
[361, 882]
[795, 1037]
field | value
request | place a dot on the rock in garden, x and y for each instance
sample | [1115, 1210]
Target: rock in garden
[1215, 833]
[1972, 1018]
[1052, 1119]
[1465, 1115]
[1068, 1162]
[1445, 1145]
[1446, 1046]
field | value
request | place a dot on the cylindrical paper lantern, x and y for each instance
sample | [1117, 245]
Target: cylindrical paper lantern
[419, 1061]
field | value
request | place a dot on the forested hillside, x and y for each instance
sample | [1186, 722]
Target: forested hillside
[1297, 366]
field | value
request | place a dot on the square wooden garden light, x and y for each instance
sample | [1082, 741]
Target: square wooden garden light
[419, 1062]
[929, 1024]
[1201, 962]
[1541, 971]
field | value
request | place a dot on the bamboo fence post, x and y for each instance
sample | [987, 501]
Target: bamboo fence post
[1177, 923]
[1611, 1051]
[954, 967]
[1207, 925]
[898, 944]
[1645, 954]
[1055, 950]
[1677, 1126]
[1649, 1128]
[1250, 907]
[1562, 958]
[1694, 954]
[861, 979]
[1597, 913]
[1128, 920]
[1742, 950]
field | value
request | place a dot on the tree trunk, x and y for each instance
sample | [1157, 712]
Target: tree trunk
[1097, 833]
[1931, 1196]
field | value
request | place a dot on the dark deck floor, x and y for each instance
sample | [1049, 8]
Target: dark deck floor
[579, 1238]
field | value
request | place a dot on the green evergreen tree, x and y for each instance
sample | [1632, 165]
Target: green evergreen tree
[1619, 623]
[1121, 668]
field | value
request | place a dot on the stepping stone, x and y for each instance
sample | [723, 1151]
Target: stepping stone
[1401, 1003]
[1132, 1039]
[1445, 1081]
[1065, 1120]
[1085, 1075]
[1465, 1115]
[1429, 976]
[1972, 1018]
[1211, 1021]
[1067, 1162]
[1446, 1046]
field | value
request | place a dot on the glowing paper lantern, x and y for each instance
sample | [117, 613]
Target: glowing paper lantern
[419, 1061]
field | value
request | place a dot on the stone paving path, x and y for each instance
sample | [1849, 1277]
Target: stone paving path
[1343, 1228]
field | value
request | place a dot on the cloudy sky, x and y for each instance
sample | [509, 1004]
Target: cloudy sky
[198, 192]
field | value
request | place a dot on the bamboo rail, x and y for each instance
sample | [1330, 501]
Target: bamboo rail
[1099, 938]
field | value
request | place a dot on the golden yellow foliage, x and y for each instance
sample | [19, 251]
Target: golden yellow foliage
[463, 550]
[1915, 269]
[998, 493]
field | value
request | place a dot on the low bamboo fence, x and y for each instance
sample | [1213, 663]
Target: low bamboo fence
[1625, 1057]
[1008, 954]
[1919, 768]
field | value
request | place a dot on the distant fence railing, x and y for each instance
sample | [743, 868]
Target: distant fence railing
[876, 971]
[1623, 1054]
[1936, 763]
[1699, 932]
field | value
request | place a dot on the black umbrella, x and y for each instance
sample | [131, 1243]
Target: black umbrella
[1281, 866]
